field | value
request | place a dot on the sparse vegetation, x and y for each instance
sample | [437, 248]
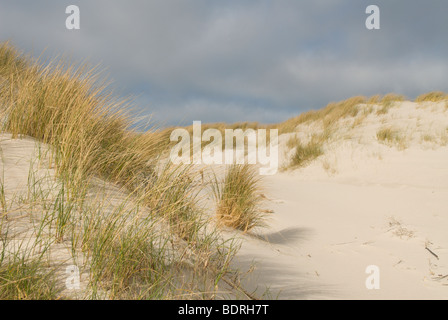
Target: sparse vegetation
[428, 138]
[392, 97]
[335, 111]
[329, 116]
[359, 120]
[376, 99]
[444, 137]
[293, 141]
[388, 101]
[399, 230]
[329, 167]
[434, 96]
[391, 136]
[307, 152]
[386, 134]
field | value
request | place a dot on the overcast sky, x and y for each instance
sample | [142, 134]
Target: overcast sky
[242, 60]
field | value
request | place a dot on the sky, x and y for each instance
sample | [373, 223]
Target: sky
[241, 60]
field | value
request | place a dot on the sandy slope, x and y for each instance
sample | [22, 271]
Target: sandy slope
[25, 172]
[362, 203]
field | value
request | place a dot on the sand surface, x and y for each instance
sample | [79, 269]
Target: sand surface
[363, 203]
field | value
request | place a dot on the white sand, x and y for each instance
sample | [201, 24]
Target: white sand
[362, 203]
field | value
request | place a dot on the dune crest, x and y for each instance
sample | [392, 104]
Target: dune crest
[370, 198]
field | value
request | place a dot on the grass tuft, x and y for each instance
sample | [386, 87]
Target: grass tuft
[391, 136]
[305, 153]
[238, 198]
[434, 96]
[26, 279]
[388, 102]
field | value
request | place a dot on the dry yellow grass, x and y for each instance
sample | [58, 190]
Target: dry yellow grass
[238, 198]
[388, 101]
[391, 136]
[306, 153]
[336, 111]
[90, 134]
[376, 99]
[434, 96]
[329, 116]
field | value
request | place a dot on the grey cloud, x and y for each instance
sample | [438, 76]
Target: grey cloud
[242, 60]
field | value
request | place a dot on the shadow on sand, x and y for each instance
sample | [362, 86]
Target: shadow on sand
[272, 278]
[285, 236]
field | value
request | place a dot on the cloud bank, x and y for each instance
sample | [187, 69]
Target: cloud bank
[242, 60]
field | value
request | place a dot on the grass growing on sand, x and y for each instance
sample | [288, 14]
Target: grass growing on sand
[328, 119]
[329, 115]
[305, 153]
[434, 96]
[147, 239]
[335, 111]
[388, 102]
[386, 134]
[25, 278]
[238, 198]
[391, 136]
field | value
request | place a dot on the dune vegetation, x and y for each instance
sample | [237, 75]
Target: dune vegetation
[238, 198]
[136, 226]
[434, 96]
[324, 124]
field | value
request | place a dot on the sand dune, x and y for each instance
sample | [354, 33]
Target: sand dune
[361, 203]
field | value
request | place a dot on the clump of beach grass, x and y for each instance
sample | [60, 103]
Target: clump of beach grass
[391, 136]
[238, 198]
[293, 141]
[428, 138]
[386, 134]
[434, 96]
[388, 101]
[306, 153]
[25, 278]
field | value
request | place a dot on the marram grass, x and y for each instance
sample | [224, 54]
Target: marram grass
[154, 244]
[238, 198]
